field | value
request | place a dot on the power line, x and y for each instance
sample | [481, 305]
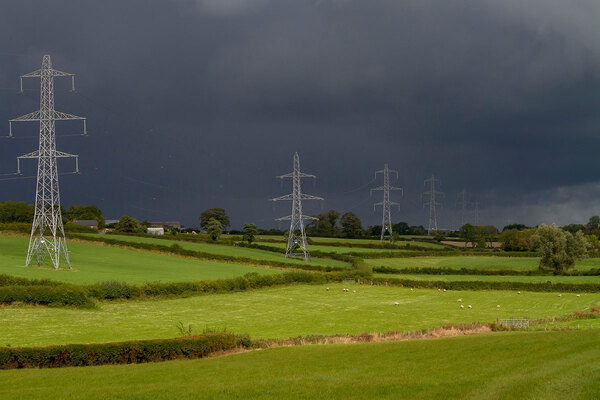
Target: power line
[297, 245]
[386, 224]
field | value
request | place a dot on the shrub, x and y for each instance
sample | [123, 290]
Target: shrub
[60, 295]
[134, 352]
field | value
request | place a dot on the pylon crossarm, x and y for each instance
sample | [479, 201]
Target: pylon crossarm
[61, 116]
[310, 197]
[286, 197]
[32, 116]
[33, 154]
[55, 72]
[35, 74]
[62, 154]
[286, 218]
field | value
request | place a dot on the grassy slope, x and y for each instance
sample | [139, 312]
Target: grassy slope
[495, 278]
[93, 263]
[224, 250]
[357, 241]
[279, 312]
[565, 365]
[475, 262]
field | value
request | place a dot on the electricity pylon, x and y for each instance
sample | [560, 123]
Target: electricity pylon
[297, 245]
[47, 232]
[432, 203]
[463, 200]
[386, 224]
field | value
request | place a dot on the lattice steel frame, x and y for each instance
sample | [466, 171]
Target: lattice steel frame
[47, 232]
[386, 204]
[297, 219]
[432, 203]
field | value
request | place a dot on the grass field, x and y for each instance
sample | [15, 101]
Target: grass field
[93, 263]
[357, 241]
[334, 249]
[227, 250]
[532, 365]
[280, 313]
[473, 262]
[494, 278]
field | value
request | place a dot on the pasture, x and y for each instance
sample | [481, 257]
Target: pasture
[536, 365]
[222, 249]
[95, 263]
[494, 278]
[473, 262]
[280, 312]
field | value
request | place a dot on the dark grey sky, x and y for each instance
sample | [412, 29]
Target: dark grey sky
[197, 104]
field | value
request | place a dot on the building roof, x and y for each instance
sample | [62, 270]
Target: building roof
[86, 222]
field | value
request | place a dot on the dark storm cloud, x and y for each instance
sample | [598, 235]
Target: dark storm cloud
[194, 104]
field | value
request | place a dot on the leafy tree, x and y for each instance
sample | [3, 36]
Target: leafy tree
[417, 230]
[439, 235]
[490, 232]
[217, 213]
[214, 228]
[519, 227]
[249, 232]
[469, 234]
[129, 224]
[573, 228]
[593, 223]
[12, 211]
[85, 212]
[516, 240]
[558, 248]
[593, 242]
[401, 228]
[351, 225]
[374, 230]
[325, 225]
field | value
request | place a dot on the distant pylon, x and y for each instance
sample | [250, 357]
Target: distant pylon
[463, 200]
[297, 242]
[47, 231]
[386, 223]
[432, 203]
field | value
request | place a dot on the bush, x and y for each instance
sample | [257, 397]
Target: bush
[134, 352]
[60, 295]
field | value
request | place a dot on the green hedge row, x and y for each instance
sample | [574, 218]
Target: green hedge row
[471, 271]
[134, 352]
[59, 295]
[8, 280]
[484, 285]
[178, 250]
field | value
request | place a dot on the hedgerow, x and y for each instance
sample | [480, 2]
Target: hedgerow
[484, 285]
[471, 271]
[133, 352]
[58, 295]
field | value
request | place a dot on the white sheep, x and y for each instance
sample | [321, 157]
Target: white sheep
[459, 300]
[461, 306]
[411, 289]
[444, 290]
[470, 306]
[327, 289]
[439, 290]
[396, 303]
[519, 292]
[498, 306]
[559, 295]
[354, 291]
[578, 295]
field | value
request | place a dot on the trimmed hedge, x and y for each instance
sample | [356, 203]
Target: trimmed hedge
[481, 285]
[470, 271]
[59, 295]
[134, 352]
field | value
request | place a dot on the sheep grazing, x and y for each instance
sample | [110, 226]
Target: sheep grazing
[519, 292]
[578, 295]
[439, 290]
[327, 289]
[354, 291]
[444, 290]
[461, 306]
[559, 295]
[459, 300]
[470, 306]
[411, 289]
[498, 306]
[396, 303]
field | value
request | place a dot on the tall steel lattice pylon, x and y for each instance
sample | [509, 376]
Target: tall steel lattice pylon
[47, 232]
[386, 204]
[297, 245]
[432, 203]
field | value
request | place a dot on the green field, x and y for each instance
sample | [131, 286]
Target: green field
[532, 365]
[334, 249]
[93, 263]
[321, 240]
[494, 278]
[473, 262]
[280, 312]
[222, 249]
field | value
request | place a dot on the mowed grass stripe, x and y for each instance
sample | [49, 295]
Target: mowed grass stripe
[541, 365]
[94, 263]
[280, 313]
